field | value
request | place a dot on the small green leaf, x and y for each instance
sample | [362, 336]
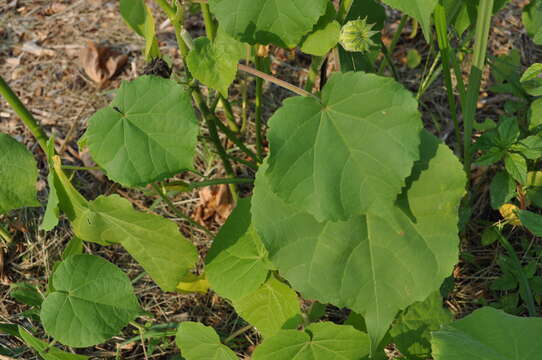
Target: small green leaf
[531, 221]
[530, 147]
[74, 247]
[421, 10]
[516, 165]
[501, 189]
[508, 131]
[26, 294]
[323, 37]
[281, 22]
[273, 297]
[236, 264]
[197, 342]
[147, 134]
[411, 331]
[139, 17]
[155, 242]
[347, 153]
[535, 114]
[45, 351]
[414, 58]
[92, 302]
[215, 63]
[52, 212]
[490, 156]
[531, 80]
[489, 334]
[18, 175]
[319, 341]
[489, 236]
[532, 19]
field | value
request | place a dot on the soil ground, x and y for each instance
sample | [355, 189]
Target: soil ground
[40, 46]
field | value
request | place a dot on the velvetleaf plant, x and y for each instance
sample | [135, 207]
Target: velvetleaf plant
[355, 204]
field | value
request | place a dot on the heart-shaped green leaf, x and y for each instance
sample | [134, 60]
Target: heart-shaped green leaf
[18, 175]
[378, 263]
[281, 22]
[236, 264]
[198, 342]
[349, 153]
[215, 63]
[148, 133]
[319, 341]
[489, 334]
[93, 300]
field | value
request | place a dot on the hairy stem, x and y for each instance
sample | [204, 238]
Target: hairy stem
[208, 20]
[233, 137]
[274, 80]
[316, 64]
[25, 115]
[394, 41]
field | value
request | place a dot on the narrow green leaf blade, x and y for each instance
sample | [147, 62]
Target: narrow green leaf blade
[280, 22]
[46, 352]
[319, 341]
[272, 307]
[489, 334]
[18, 175]
[155, 242]
[236, 264]
[93, 300]
[349, 153]
[148, 133]
[198, 342]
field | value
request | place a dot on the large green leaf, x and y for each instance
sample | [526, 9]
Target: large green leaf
[411, 331]
[18, 175]
[198, 342]
[325, 34]
[375, 264]
[421, 10]
[272, 307]
[281, 22]
[319, 341]
[148, 133]
[155, 242]
[139, 17]
[93, 300]
[349, 152]
[45, 351]
[236, 264]
[215, 63]
[489, 334]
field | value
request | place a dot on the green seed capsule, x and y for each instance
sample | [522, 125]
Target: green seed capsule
[356, 36]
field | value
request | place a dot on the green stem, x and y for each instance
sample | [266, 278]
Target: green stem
[24, 114]
[237, 333]
[176, 211]
[483, 21]
[444, 46]
[208, 20]
[394, 41]
[247, 163]
[233, 137]
[258, 110]
[388, 59]
[87, 168]
[168, 9]
[184, 186]
[230, 118]
[316, 64]
[520, 275]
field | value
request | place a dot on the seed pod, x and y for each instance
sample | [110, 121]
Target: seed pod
[356, 36]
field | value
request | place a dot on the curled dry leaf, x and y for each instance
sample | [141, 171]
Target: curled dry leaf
[101, 63]
[216, 203]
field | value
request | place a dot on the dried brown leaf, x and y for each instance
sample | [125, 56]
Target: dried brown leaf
[101, 63]
[216, 203]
